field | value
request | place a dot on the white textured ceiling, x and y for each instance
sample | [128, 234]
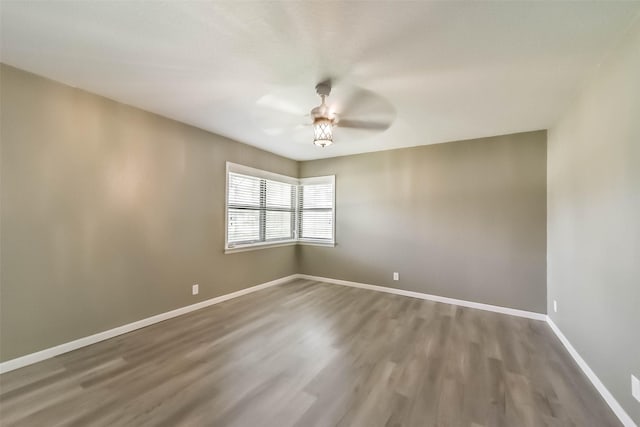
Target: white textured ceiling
[451, 70]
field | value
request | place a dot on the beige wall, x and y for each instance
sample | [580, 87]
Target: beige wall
[594, 222]
[464, 220]
[109, 214]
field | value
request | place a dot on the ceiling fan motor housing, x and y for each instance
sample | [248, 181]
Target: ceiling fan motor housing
[324, 88]
[322, 111]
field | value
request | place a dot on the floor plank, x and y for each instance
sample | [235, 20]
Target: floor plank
[313, 354]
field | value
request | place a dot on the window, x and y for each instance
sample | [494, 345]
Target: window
[264, 208]
[259, 210]
[315, 204]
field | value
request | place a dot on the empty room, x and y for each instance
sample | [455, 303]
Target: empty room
[320, 213]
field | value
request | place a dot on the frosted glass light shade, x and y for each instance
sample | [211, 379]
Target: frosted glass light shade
[322, 132]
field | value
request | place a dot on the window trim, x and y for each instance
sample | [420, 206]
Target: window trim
[259, 173]
[260, 245]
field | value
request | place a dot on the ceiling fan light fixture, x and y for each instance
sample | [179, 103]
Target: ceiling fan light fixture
[322, 132]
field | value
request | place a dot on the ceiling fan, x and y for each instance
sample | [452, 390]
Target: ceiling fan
[356, 112]
[325, 118]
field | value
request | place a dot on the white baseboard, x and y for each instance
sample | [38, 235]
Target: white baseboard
[29, 359]
[606, 395]
[420, 295]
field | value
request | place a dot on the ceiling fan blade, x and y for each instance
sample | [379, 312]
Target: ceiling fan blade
[365, 125]
[275, 117]
[355, 102]
[285, 130]
[364, 103]
[280, 104]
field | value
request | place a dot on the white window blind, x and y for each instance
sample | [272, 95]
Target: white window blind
[316, 209]
[280, 210]
[266, 208]
[259, 210]
[243, 206]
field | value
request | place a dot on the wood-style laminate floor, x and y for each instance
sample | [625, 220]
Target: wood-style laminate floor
[313, 354]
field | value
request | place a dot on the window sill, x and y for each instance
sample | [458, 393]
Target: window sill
[316, 243]
[256, 246]
[267, 245]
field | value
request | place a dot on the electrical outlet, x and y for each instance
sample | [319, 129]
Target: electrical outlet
[555, 306]
[635, 387]
[396, 276]
[195, 289]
